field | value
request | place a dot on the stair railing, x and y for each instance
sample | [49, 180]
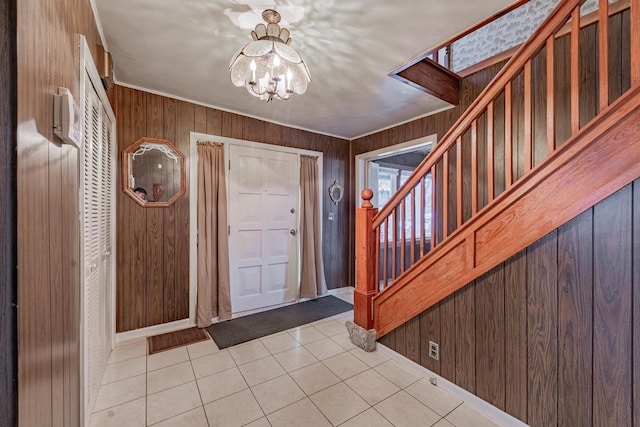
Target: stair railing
[438, 199]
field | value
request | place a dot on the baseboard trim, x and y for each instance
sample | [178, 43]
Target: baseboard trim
[473, 401]
[124, 338]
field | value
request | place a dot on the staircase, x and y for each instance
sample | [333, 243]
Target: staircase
[554, 133]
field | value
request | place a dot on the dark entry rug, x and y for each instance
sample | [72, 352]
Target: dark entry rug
[247, 328]
[175, 339]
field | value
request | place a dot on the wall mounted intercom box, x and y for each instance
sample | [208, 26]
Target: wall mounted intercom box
[67, 119]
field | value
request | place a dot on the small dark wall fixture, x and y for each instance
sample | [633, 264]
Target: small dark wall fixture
[153, 172]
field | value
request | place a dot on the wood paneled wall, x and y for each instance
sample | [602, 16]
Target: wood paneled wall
[48, 229]
[153, 243]
[550, 335]
[8, 231]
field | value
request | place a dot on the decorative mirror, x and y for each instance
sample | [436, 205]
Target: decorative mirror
[153, 172]
[336, 191]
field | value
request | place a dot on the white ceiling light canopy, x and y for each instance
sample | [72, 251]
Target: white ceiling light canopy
[268, 67]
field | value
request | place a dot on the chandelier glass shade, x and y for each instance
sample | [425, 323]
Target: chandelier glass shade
[268, 67]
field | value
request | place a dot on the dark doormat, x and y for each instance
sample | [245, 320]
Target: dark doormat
[247, 328]
[175, 339]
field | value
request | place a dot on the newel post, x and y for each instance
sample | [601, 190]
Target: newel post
[365, 262]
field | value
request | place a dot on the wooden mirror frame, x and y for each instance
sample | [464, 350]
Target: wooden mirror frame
[126, 168]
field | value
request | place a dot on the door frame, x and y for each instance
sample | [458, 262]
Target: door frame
[196, 137]
[363, 158]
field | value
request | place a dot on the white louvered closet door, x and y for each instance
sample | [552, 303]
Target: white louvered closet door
[107, 229]
[97, 227]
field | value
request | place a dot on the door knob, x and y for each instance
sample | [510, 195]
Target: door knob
[292, 232]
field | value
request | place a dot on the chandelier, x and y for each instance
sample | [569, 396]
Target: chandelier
[268, 67]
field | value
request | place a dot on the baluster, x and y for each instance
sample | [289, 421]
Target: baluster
[508, 137]
[385, 258]
[551, 116]
[402, 234]
[635, 41]
[445, 195]
[603, 54]
[490, 154]
[376, 260]
[575, 71]
[474, 167]
[412, 251]
[394, 243]
[432, 239]
[459, 182]
[447, 58]
[422, 238]
[528, 155]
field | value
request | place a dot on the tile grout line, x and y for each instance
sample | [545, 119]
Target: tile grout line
[206, 417]
[247, 382]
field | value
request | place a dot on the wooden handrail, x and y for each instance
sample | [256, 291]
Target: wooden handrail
[551, 25]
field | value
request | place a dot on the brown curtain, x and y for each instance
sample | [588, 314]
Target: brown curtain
[312, 282]
[213, 241]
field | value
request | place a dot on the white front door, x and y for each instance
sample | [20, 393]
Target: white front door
[263, 218]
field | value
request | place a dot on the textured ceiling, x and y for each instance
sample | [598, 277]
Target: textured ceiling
[183, 48]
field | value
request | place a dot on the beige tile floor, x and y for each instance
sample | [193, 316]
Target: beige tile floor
[307, 376]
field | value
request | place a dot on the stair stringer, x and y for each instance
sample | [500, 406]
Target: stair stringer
[597, 161]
